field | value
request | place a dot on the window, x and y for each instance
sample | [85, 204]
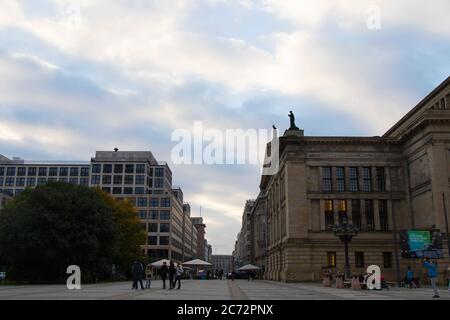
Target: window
[41, 181]
[31, 182]
[95, 179]
[96, 168]
[2, 181]
[11, 171]
[150, 173]
[356, 213]
[9, 182]
[331, 259]
[165, 202]
[384, 223]
[52, 179]
[165, 215]
[118, 179]
[107, 168]
[143, 214]
[106, 180]
[84, 181]
[367, 179]
[64, 180]
[21, 171]
[85, 172]
[152, 241]
[327, 181]
[42, 172]
[329, 214]
[118, 168]
[140, 179]
[159, 172]
[74, 172]
[370, 220]
[381, 185]
[359, 259]
[353, 179]
[129, 168]
[163, 241]
[32, 171]
[142, 202]
[342, 211]
[140, 168]
[63, 172]
[159, 183]
[154, 202]
[129, 179]
[2, 171]
[106, 189]
[150, 182]
[128, 190]
[164, 227]
[387, 259]
[117, 190]
[73, 180]
[53, 172]
[152, 227]
[153, 214]
[139, 190]
[340, 179]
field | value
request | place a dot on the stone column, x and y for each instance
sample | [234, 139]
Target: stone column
[322, 214]
[376, 214]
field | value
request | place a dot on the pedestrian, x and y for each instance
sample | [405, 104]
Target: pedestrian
[163, 272]
[410, 278]
[137, 270]
[172, 272]
[221, 274]
[356, 285]
[232, 275]
[179, 274]
[432, 275]
[148, 276]
[339, 280]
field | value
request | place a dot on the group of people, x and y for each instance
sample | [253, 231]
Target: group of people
[172, 273]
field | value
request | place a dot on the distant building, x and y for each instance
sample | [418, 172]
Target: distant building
[222, 262]
[201, 245]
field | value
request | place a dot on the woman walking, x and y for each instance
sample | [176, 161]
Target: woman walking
[148, 276]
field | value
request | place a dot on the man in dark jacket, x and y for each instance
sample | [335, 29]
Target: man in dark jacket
[172, 272]
[163, 273]
[137, 270]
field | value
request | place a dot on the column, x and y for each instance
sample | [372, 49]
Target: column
[376, 214]
[322, 214]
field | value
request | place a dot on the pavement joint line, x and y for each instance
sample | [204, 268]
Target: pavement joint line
[236, 293]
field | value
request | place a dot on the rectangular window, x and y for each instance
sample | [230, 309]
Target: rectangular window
[164, 227]
[32, 171]
[52, 179]
[107, 168]
[152, 241]
[329, 214]
[64, 180]
[331, 259]
[150, 173]
[154, 202]
[96, 168]
[163, 241]
[117, 190]
[11, 171]
[95, 179]
[2, 171]
[354, 179]
[118, 179]
[106, 189]
[129, 179]
[129, 168]
[106, 180]
[128, 190]
[381, 185]
[370, 220]
[387, 259]
[84, 181]
[384, 222]
[63, 172]
[53, 171]
[359, 259]
[73, 180]
[327, 179]
[2, 181]
[139, 190]
[85, 172]
[42, 172]
[159, 172]
[20, 182]
[140, 168]
[142, 202]
[74, 172]
[165, 215]
[340, 179]
[140, 179]
[367, 179]
[343, 212]
[118, 168]
[356, 213]
[21, 171]
[9, 182]
[165, 202]
[143, 214]
[31, 182]
[41, 181]
[152, 227]
[153, 214]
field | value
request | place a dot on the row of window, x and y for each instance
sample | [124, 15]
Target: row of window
[128, 168]
[153, 241]
[127, 180]
[154, 214]
[153, 227]
[356, 214]
[354, 183]
[44, 171]
[359, 259]
[32, 182]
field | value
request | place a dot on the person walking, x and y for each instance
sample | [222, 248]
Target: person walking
[179, 274]
[432, 275]
[163, 272]
[148, 276]
[172, 272]
[410, 278]
[137, 270]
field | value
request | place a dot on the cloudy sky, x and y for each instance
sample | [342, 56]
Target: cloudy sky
[80, 76]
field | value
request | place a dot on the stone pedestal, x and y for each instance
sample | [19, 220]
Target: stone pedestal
[297, 132]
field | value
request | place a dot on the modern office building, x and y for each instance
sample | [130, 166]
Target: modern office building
[222, 262]
[381, 185]
[135, 175]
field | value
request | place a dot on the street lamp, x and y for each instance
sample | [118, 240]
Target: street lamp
[345, 232]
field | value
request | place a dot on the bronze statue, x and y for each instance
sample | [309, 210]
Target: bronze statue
[292, 118]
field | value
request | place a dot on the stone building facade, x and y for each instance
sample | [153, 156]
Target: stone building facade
[380, 184]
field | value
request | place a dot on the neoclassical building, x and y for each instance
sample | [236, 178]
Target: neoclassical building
[380, 184]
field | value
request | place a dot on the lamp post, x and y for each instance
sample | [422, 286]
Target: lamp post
[345, 232]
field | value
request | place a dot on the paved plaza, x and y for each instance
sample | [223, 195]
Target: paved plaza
[213, 290]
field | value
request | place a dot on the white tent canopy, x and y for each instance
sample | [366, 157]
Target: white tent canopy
[248, 267]
[196, 263]
[159, 264]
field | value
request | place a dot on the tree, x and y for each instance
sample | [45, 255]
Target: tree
[46, 229]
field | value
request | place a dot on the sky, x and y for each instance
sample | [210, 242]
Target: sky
[81, 76]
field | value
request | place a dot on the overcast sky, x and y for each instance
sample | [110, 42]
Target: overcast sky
[81, 76]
